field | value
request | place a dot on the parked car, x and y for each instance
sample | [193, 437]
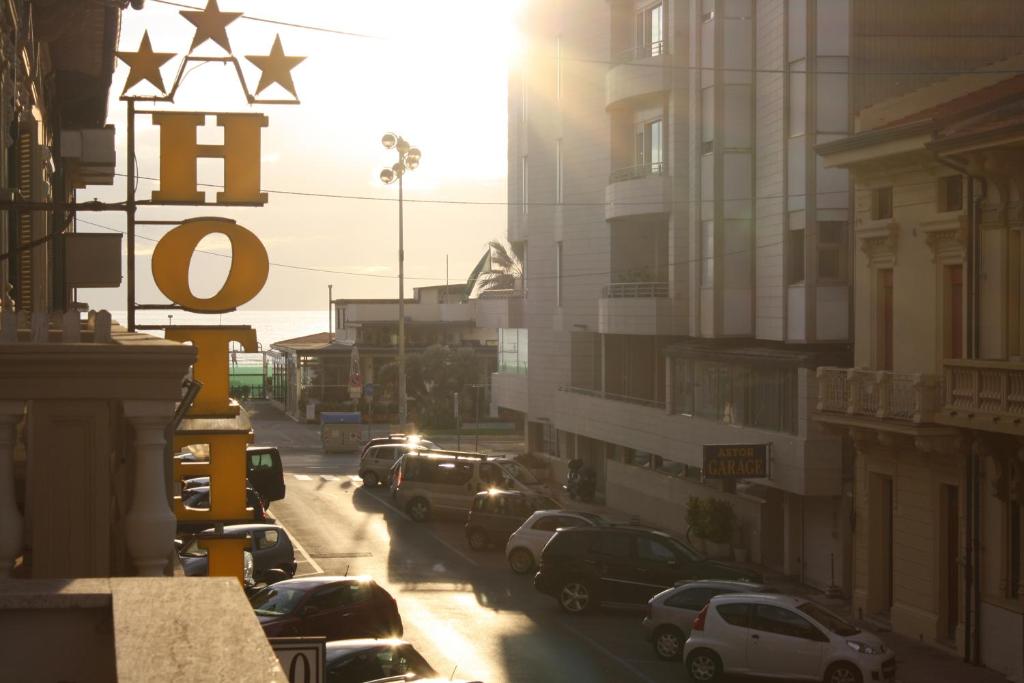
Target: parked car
[411, 439]
[584, 566]
[264, 470]
[494, 515]
[526, 543]
[368, 659]
[199, 497]
[782, 636]
[336, 607]
[671, 612]
[272, 551]
[376, 461]
[448, 480]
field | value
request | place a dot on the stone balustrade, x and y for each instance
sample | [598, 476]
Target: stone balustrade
[907, 397]
[984, 394]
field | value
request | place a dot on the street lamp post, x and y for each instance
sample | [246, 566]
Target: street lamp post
[408, 160]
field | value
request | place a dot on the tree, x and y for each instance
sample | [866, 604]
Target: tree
[499, 268]
[432, 378]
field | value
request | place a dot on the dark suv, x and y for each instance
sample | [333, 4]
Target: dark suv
[584, 566]
[495, 514]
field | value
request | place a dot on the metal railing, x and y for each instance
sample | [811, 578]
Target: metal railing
[635, 290]
[638, 171]
[908, 397]
[653, 49]
[597, 393]
[990, 387]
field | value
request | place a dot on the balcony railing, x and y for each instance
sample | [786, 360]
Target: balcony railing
[653, 49]
[907, 397]
[981, 387]
[638, 171]
[597, 393]
[635, 290]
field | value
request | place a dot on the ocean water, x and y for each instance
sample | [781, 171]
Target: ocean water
[271, 326]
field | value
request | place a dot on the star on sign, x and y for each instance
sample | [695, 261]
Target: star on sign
[211, 24]
[145, 64]
[276, 68]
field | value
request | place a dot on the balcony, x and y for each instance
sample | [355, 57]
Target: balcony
[636, 74]
[637, 191]
[907, 398]
[982, 394]
[637, 308]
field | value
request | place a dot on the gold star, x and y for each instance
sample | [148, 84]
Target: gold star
[145, 64]
[211, 24]
[276, 68]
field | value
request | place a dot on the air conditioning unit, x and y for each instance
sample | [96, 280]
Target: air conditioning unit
[89, 156]
[92, 259]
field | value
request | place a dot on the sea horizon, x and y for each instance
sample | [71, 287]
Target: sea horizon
[271, 325]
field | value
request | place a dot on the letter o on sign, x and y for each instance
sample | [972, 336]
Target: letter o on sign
[250, 265]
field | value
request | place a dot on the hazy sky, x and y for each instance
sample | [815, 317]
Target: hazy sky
[435, 73]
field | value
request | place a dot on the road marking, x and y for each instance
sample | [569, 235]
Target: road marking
[437, 538]
[328, 477]
[608, 653]
[303, 477]
[298, 546]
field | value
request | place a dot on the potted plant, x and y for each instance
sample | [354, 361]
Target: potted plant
[712, 524]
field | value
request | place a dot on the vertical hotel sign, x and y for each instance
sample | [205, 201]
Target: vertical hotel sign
[213, 420]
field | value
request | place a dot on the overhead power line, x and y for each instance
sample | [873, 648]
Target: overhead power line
[278, 22]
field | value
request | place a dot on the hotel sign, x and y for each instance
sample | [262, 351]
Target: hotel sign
[736, 461]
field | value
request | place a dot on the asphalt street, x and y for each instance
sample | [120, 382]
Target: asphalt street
[465, 611]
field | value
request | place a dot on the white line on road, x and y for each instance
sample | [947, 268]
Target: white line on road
[608, 653]
[303, 477]
[298, 546]
[328, 477]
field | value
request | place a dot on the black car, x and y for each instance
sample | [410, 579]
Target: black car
[272, 552]
[199, 497]
[494, 515]
[584, 566]
[368, 659]
[263, 470]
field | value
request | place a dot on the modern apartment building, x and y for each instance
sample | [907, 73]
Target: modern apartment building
[687, 257]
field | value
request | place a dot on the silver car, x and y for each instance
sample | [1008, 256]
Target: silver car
[671, 612]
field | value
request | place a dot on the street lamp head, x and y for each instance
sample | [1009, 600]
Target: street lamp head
[389, 140]
[403, 145]
[412, 158]
[387, 176]
[398, 169]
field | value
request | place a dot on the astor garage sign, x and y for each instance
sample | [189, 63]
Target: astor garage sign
[736, 461]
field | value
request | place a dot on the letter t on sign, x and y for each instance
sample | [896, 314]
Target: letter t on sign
[180, 150]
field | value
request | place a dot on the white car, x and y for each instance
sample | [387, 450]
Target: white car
[782, 636]
[526, 542]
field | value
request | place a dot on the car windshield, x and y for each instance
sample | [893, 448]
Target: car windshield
[519, 472]
[686, 551]
[274, 601]
[828, 620]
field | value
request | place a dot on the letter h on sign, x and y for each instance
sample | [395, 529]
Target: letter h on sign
[180, 150]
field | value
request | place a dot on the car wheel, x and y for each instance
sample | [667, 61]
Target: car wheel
[370, 479]
[576, 596]
[477, 539]
[521, 560]
[668, 642]
[418, 509]
[842, 672]
[704, 666]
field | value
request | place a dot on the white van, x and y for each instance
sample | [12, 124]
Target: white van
[448, 480]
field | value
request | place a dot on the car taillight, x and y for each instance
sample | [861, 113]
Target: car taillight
[698, 621]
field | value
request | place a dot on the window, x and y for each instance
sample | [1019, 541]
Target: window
[558, 274]
[615, 545]
[491, 475]
[694, 598]
[881, 203]
[883, 319]
[650, 31]
[707, 250]
[735, 613]
[954, 323]
[762, 397]
[951, 193]
[558, 171]
[772, 619]
[651, 550]
[794, 256]
[650, 147]
[832, 250]
[554, 522]
[451, 473]
[524, 185]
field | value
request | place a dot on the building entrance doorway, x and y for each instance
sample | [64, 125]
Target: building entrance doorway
[880, 523]
[949, 546]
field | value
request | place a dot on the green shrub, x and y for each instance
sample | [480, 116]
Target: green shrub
[711, 519]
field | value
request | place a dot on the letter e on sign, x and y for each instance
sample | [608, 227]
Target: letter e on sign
[250, 265]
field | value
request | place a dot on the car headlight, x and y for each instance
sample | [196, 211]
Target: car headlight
[865, 648]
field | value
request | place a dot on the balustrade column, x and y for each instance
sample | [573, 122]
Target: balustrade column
[11, 527]
[150, 524]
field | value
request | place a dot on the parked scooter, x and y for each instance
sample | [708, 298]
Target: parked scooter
[580, 482]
